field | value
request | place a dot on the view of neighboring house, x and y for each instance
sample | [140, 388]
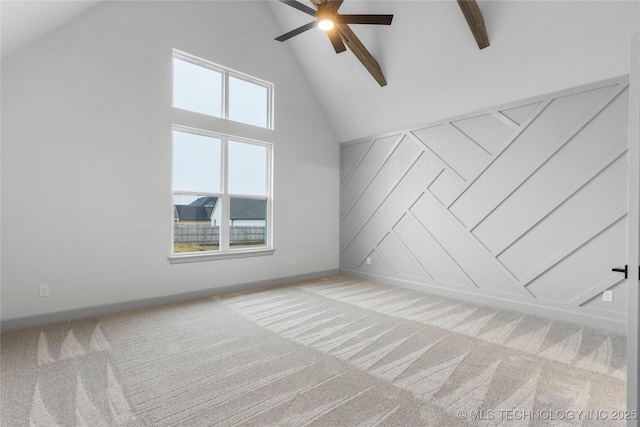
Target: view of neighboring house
[197, 212]
[248, 212]
[244, 212]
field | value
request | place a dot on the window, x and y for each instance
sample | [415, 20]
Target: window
[248, 102]
[221, 193]
[221, 184]
[204, 87]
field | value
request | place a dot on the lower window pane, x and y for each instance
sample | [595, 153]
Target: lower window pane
[248, 223]
[196, 223]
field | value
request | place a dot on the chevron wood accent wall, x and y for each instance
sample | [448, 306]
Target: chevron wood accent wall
[524, 205]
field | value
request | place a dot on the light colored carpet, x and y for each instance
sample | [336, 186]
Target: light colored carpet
[335, 351]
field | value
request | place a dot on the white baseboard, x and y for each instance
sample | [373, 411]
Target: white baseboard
[557, 313]
[79, 313]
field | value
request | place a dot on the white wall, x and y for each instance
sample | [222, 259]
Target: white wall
[523, 206]
[414, 233]
[86, 116]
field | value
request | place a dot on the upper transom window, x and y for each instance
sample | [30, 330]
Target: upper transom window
[207, 88]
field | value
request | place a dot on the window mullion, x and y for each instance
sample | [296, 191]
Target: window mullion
[226, 201]
[269, 109]
[225, 95]
[269, 221]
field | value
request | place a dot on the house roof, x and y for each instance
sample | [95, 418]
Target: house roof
[202, 208]
[192, 213]
[198, 210]
[204, 201]
[248, 209]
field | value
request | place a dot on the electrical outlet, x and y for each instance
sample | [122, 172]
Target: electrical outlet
[294, 261]
[607, 296]
[43, 291]
[368, 260]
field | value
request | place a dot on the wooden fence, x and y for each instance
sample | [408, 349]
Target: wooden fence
[209, 234]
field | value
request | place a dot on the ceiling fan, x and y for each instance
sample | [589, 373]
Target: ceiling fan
[327, 17]
[336, 27]
[341, 36]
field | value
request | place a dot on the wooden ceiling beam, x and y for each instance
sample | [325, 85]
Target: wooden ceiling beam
[473, 15]
[355, 45]
[334, 5]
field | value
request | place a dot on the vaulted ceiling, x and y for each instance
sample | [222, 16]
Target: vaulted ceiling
[435, 70]
[429, 57]
[24, 22]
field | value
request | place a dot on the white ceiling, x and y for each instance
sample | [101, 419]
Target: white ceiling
[24, 21]
[435, 70]
[430, 59]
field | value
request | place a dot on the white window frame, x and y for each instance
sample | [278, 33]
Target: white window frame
[209, 126]
[224, 250]
[226, 73]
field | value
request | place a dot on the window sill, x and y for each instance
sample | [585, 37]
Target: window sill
[213, 256]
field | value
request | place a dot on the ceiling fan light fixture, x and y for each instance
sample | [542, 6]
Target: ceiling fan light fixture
[325, 24]
[337, 28]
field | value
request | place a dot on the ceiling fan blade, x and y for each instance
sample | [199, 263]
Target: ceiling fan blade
[365, 19]
[297, 31]
[473, 15]
[355, 45]
[336, 40]
[301, 7]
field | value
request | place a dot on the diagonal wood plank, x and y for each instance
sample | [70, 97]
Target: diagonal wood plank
[515, 229]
